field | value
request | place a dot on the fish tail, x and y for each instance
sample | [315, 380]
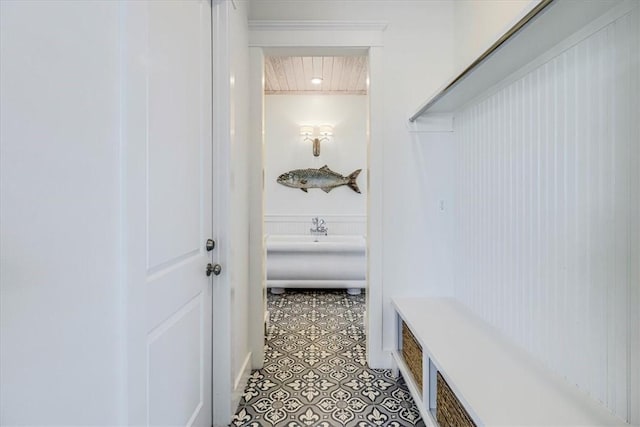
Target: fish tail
[352, 180]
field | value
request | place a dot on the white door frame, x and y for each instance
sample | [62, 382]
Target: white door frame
[221, 293]
[303, 35]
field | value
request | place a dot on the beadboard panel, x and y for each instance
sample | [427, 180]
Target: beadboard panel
[546, 190]
[301, 224]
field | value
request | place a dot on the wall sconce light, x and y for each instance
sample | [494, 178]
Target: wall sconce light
[316, 135]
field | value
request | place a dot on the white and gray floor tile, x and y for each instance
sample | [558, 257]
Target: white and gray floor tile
[315, 371]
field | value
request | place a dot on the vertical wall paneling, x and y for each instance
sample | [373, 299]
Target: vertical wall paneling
[634, 298]
[617, 295]
[547, 195]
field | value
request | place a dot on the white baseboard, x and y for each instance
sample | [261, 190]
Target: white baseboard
[240, 383]
[381, 359]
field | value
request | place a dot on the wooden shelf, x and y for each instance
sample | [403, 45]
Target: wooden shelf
[497, 382]
[549, 23]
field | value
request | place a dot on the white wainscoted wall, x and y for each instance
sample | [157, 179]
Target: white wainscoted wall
[547, 211]
[289, 210]
[300, 224]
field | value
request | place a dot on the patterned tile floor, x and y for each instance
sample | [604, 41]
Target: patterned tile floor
[315, 371]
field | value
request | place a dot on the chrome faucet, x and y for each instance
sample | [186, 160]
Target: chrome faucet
[318, 227]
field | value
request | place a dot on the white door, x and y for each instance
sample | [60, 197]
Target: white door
[168, 180]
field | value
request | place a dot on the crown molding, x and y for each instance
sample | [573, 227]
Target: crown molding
[316, 33]
[306, 25]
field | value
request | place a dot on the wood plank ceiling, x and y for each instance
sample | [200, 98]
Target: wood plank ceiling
[292, 75]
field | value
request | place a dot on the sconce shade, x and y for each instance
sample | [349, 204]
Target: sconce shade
[306, 131]
[325, 130]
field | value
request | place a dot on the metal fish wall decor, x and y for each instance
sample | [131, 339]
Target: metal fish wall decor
[323, 178]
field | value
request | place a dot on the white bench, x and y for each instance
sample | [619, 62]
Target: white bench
[498, 383]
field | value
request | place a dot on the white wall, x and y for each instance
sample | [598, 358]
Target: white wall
[285, 150]
[60, 339]
[478, 24]
[416, 59]
[547, 225]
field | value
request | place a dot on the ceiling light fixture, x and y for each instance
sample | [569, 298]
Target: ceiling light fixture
[316, 80]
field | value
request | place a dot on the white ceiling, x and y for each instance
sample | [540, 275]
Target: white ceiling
[292, 74]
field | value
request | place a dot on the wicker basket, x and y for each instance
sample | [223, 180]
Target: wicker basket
[412, 353]
[449, 410]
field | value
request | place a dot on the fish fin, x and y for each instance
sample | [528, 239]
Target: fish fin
[327, 189]
[352, 180]
[304, 189]
[303, 181]
[325, 168]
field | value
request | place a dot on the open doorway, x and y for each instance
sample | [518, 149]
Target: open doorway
[315, 137]
[283, 108]
[320, 39]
